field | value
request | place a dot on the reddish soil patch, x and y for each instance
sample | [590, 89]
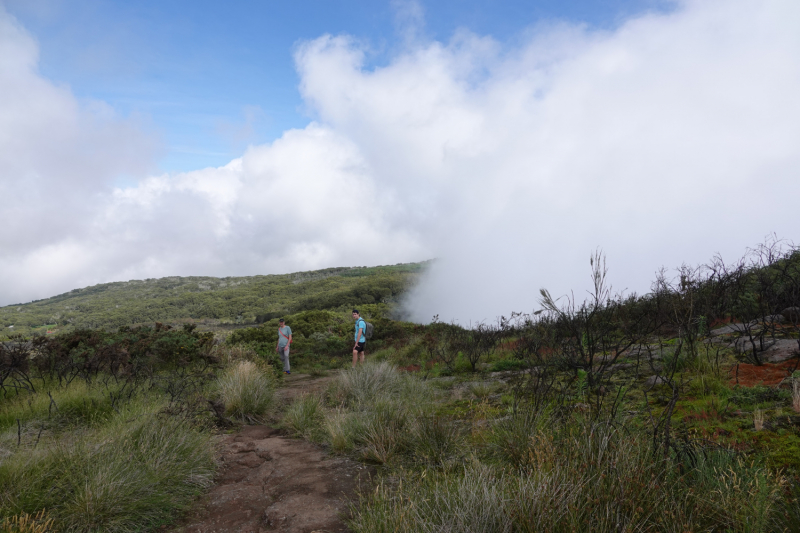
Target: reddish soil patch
[748, 375]
[269, 482]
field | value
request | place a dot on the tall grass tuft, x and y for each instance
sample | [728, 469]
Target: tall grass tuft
[344, 429]
[365, 384]
[386, 432]
[247, 391]
[129, 475]
[515, 440]
[304, 416]
[436, 442]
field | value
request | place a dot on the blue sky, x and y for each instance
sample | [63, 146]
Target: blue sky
[211, 77]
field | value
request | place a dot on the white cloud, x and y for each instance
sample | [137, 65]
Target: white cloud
[673, 137]
[670, 138]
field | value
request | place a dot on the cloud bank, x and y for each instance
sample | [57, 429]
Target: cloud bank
[665, 140]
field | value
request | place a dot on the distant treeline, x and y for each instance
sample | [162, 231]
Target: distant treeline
[243, 300]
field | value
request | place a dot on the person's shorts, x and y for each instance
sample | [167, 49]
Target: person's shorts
[360, 347]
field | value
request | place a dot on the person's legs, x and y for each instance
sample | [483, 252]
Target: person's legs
[363, 351]
[359, 349]
[285, 358]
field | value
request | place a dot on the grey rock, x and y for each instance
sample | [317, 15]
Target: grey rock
[645, 351]
[727, 329]
[620, 366]
[743, 345]
[774, 319]
[652, 381]
[781, 350]
[791, 314]
[772, 351]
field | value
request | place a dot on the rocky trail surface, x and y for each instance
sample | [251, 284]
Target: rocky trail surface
[268, 482]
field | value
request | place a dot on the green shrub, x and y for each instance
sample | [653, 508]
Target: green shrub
[247, 391]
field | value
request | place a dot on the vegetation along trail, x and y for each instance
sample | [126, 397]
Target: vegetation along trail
[268, 481]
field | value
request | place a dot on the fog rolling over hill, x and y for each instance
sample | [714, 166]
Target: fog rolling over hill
[232, 300]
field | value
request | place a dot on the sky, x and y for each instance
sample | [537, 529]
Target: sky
[509, 140]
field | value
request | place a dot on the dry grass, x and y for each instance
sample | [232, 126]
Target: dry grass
[758, 419]
[25, 523]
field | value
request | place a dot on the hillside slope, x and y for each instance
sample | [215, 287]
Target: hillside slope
[232, 300]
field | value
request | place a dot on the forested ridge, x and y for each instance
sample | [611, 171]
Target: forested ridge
[231, 300]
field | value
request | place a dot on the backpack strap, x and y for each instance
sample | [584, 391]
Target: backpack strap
[282, 335]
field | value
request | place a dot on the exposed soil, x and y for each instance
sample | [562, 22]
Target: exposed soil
[748, 375]
[270, 482]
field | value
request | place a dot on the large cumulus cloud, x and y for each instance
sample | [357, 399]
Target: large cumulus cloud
[667, 139]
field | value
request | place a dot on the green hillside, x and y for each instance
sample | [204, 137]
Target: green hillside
[232, 300]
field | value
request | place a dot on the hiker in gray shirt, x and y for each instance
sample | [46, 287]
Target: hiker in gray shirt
[284, 340]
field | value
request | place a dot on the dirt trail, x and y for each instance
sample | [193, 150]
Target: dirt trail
[269, 482]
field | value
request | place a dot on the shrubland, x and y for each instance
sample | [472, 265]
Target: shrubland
[676, 410]
[104, 431]
[670, 411]
[209, 302]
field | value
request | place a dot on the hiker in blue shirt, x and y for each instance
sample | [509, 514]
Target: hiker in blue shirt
[360, 338]
[284, 340]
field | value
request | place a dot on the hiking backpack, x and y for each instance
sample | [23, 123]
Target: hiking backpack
[368, 330]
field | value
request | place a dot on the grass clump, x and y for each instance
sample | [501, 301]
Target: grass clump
[580, 476]
[386, 433]
[131, 474]
[365, 383]
[436, 442]
[247, 391]
[343, 429]
[304, 417]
